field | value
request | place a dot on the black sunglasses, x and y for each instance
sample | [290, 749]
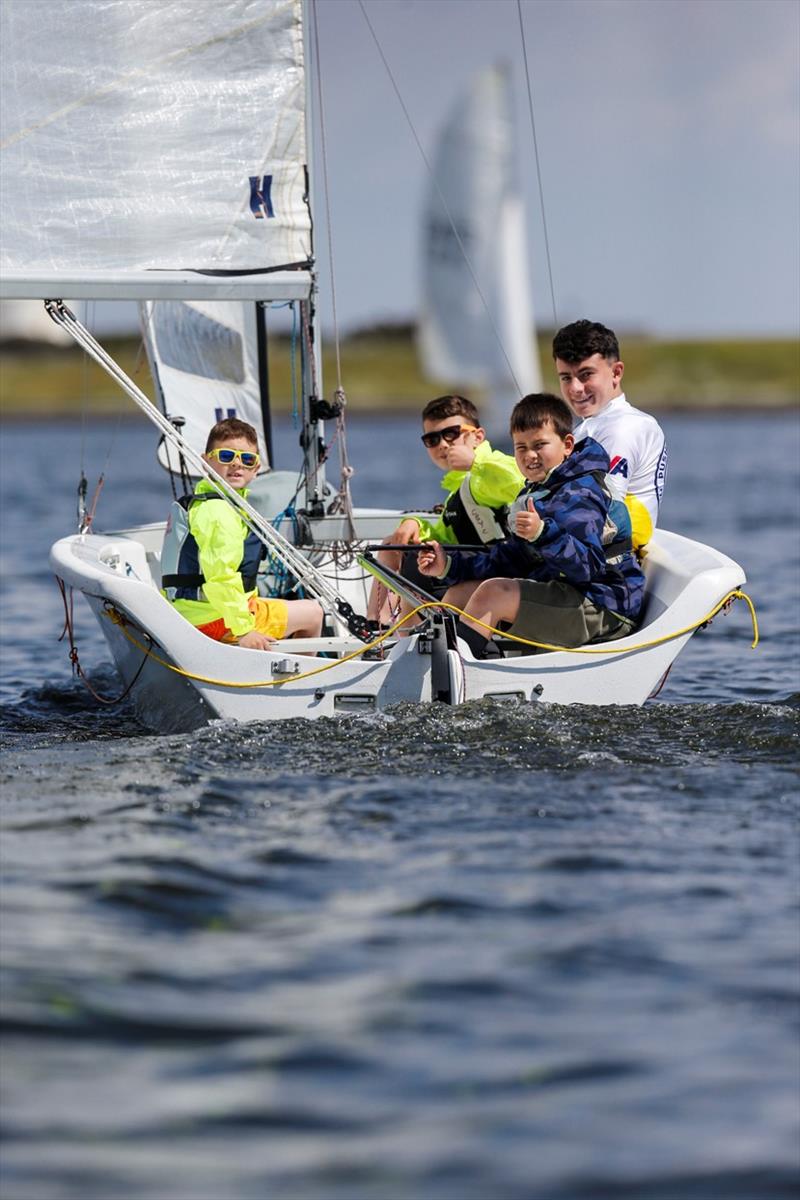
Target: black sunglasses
[451, 433]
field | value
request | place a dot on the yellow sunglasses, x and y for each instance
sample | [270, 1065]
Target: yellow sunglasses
[248, 458]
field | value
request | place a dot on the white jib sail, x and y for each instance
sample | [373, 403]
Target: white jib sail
[142, 141]
[475, 170]
[204, 360]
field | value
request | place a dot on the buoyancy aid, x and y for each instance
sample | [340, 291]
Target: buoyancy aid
[181, 578]
[617, 530]
[641, 522]
[473, 522]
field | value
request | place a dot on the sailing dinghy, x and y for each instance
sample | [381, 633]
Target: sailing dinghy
[174, 146]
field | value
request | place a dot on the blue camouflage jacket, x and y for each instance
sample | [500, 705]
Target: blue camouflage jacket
[574, 506]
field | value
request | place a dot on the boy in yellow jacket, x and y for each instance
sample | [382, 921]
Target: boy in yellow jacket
[210, 557]
[479, 481]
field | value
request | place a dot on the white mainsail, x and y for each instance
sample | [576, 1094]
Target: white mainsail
[153, 149]
[478, 330]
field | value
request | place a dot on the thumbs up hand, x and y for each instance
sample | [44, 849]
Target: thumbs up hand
[528, 523]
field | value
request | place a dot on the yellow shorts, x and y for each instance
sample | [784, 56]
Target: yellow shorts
[271, 616]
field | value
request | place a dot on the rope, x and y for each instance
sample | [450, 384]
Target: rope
[609, 648]
[88, 516]
[343, 501]
[77, 669]
[119, 619]
[538, 167]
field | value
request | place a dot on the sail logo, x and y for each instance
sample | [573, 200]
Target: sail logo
[261, 197]
[218, 415]
[619, 466]
[448, 240]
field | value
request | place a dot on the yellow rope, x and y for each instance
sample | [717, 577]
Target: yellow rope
[607, 648]
[120, 620]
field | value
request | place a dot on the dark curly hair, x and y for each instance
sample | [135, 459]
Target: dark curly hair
[541, 408]
[582, 339]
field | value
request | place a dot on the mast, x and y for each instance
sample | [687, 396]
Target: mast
[263, 378]
[313, 433]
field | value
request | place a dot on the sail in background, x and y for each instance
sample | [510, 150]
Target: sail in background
[146, 137]
[27, 321]
[475, 169]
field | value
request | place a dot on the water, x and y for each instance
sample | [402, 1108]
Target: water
[433, 954]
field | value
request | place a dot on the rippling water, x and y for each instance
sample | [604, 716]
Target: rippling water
[486, 952]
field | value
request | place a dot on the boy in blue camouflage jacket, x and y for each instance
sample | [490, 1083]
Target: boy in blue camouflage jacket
[567, 575]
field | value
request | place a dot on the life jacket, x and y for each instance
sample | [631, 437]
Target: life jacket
[181, 578]
[617, 531]
[641, 523]
[472, 522]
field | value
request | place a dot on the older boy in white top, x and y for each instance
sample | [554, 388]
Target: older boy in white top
[590, 376]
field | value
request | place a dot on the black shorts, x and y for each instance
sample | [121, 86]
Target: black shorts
[429, 583]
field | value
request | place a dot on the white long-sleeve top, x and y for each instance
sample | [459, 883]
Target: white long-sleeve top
[634, 441]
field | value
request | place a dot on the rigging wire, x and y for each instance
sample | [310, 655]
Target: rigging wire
[442, 200]
[86, 515]
[538, 165]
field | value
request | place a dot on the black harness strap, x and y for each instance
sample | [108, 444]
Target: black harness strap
[197, 581]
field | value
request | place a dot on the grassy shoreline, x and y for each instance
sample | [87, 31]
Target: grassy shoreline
[381, 374]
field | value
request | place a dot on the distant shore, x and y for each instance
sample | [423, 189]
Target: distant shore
[380, 373]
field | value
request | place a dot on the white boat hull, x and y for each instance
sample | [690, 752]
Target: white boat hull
[187, 679]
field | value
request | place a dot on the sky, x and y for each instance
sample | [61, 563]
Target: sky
[669, 148]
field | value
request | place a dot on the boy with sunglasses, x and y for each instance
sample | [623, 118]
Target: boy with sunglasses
[480, 482]
[210, 557]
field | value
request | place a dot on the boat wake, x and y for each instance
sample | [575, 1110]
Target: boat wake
[477, 739]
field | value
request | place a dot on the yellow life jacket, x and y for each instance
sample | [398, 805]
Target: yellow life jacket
[641, 523]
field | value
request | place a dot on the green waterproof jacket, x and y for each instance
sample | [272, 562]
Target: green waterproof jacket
[220, 533]
[494, 481]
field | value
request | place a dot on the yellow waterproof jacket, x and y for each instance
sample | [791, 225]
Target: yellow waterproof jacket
[494, 481]
[220, 533]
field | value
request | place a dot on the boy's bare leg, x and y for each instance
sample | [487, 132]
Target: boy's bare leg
[405, 608]
[459, 594]
[304, 618]
[379, 607]
[492, 601]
